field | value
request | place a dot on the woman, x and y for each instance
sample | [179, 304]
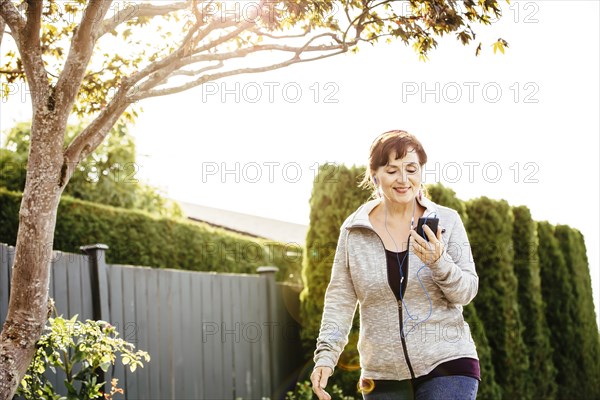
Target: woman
[413, 342]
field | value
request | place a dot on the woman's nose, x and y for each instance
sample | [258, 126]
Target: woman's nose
[402, 177]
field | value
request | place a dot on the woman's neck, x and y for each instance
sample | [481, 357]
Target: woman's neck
[399, 211]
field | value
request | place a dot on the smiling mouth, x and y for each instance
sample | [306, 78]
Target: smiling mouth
[402, 190]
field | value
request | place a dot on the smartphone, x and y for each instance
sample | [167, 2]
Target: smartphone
[430, 222]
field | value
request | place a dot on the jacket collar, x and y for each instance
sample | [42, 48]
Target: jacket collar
[361, 216]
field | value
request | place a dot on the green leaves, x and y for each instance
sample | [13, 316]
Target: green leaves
[72, 345]
[107, 176]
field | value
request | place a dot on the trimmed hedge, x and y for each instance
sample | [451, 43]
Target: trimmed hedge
[488, 388]
[560, 308]
[490, 228]
[532, 319]
[139, 238]
[541, 377]
[335, 195]
[587, 349]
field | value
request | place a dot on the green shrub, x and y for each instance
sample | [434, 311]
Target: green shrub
[304, 391]
[542, 372]
[586, 342]
[490, 230]
[560, 306]
[488, 388]
[139, 238]
[335, 196]
[81, 350]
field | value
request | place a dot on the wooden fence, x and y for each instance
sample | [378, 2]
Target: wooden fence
[209, 335]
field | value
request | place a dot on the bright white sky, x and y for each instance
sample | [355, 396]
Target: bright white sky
[540, 133]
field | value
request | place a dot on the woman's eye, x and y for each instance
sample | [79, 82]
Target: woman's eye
[411, 171]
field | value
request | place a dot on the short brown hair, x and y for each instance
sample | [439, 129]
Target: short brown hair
[383, 146]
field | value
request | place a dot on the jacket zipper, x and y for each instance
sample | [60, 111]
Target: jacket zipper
[412, 373]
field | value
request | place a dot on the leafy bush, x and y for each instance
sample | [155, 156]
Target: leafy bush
[81, 350]
[304, 392]
[139, 238]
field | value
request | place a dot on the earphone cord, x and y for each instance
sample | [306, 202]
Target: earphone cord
[402, 275]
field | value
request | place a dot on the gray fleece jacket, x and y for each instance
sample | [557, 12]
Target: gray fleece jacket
[398, 340]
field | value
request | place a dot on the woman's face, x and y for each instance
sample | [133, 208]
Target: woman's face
[400, 180]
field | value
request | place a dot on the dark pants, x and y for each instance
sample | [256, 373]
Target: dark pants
[452, 387]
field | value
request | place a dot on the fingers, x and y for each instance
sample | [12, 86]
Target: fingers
[419, 239]
[319, 379]
[432, 236]
[324, 378]
[427, 251]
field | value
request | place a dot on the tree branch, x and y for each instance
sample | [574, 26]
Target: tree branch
[206, 78]
[2, 30]
[31, 33]
[26, 33]
[357, 22]
[270, 35]
[141, 11]
[159, 70]
[82, 46]
[11, 16]
[183, 72]
[2, 27]
[240, 53]
[93, 135]
[12, 71]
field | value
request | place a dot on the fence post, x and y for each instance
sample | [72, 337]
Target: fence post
[99, 285]
[97, 268]
[268, 273]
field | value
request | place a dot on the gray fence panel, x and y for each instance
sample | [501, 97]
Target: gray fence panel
[115, 295]
[73, 286]
[177, 376]
[230, 335]
[188, 371]
[166, 325]
[61, 292]
[210, 345]
[129, 323]
[86, 288]
[209, 335]
[263, 317]
[257, 345]
[249, 335]
[153, 332]
[197, 335]
[142, 303]
[240, 349]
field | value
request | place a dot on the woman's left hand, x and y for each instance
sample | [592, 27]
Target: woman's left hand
[428, 252]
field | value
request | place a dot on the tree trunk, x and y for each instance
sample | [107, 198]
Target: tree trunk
[28, 306]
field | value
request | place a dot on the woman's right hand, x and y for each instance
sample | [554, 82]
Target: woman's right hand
[319, 378]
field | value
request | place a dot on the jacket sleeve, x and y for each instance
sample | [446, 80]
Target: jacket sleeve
[454, 272]
[338, 310]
